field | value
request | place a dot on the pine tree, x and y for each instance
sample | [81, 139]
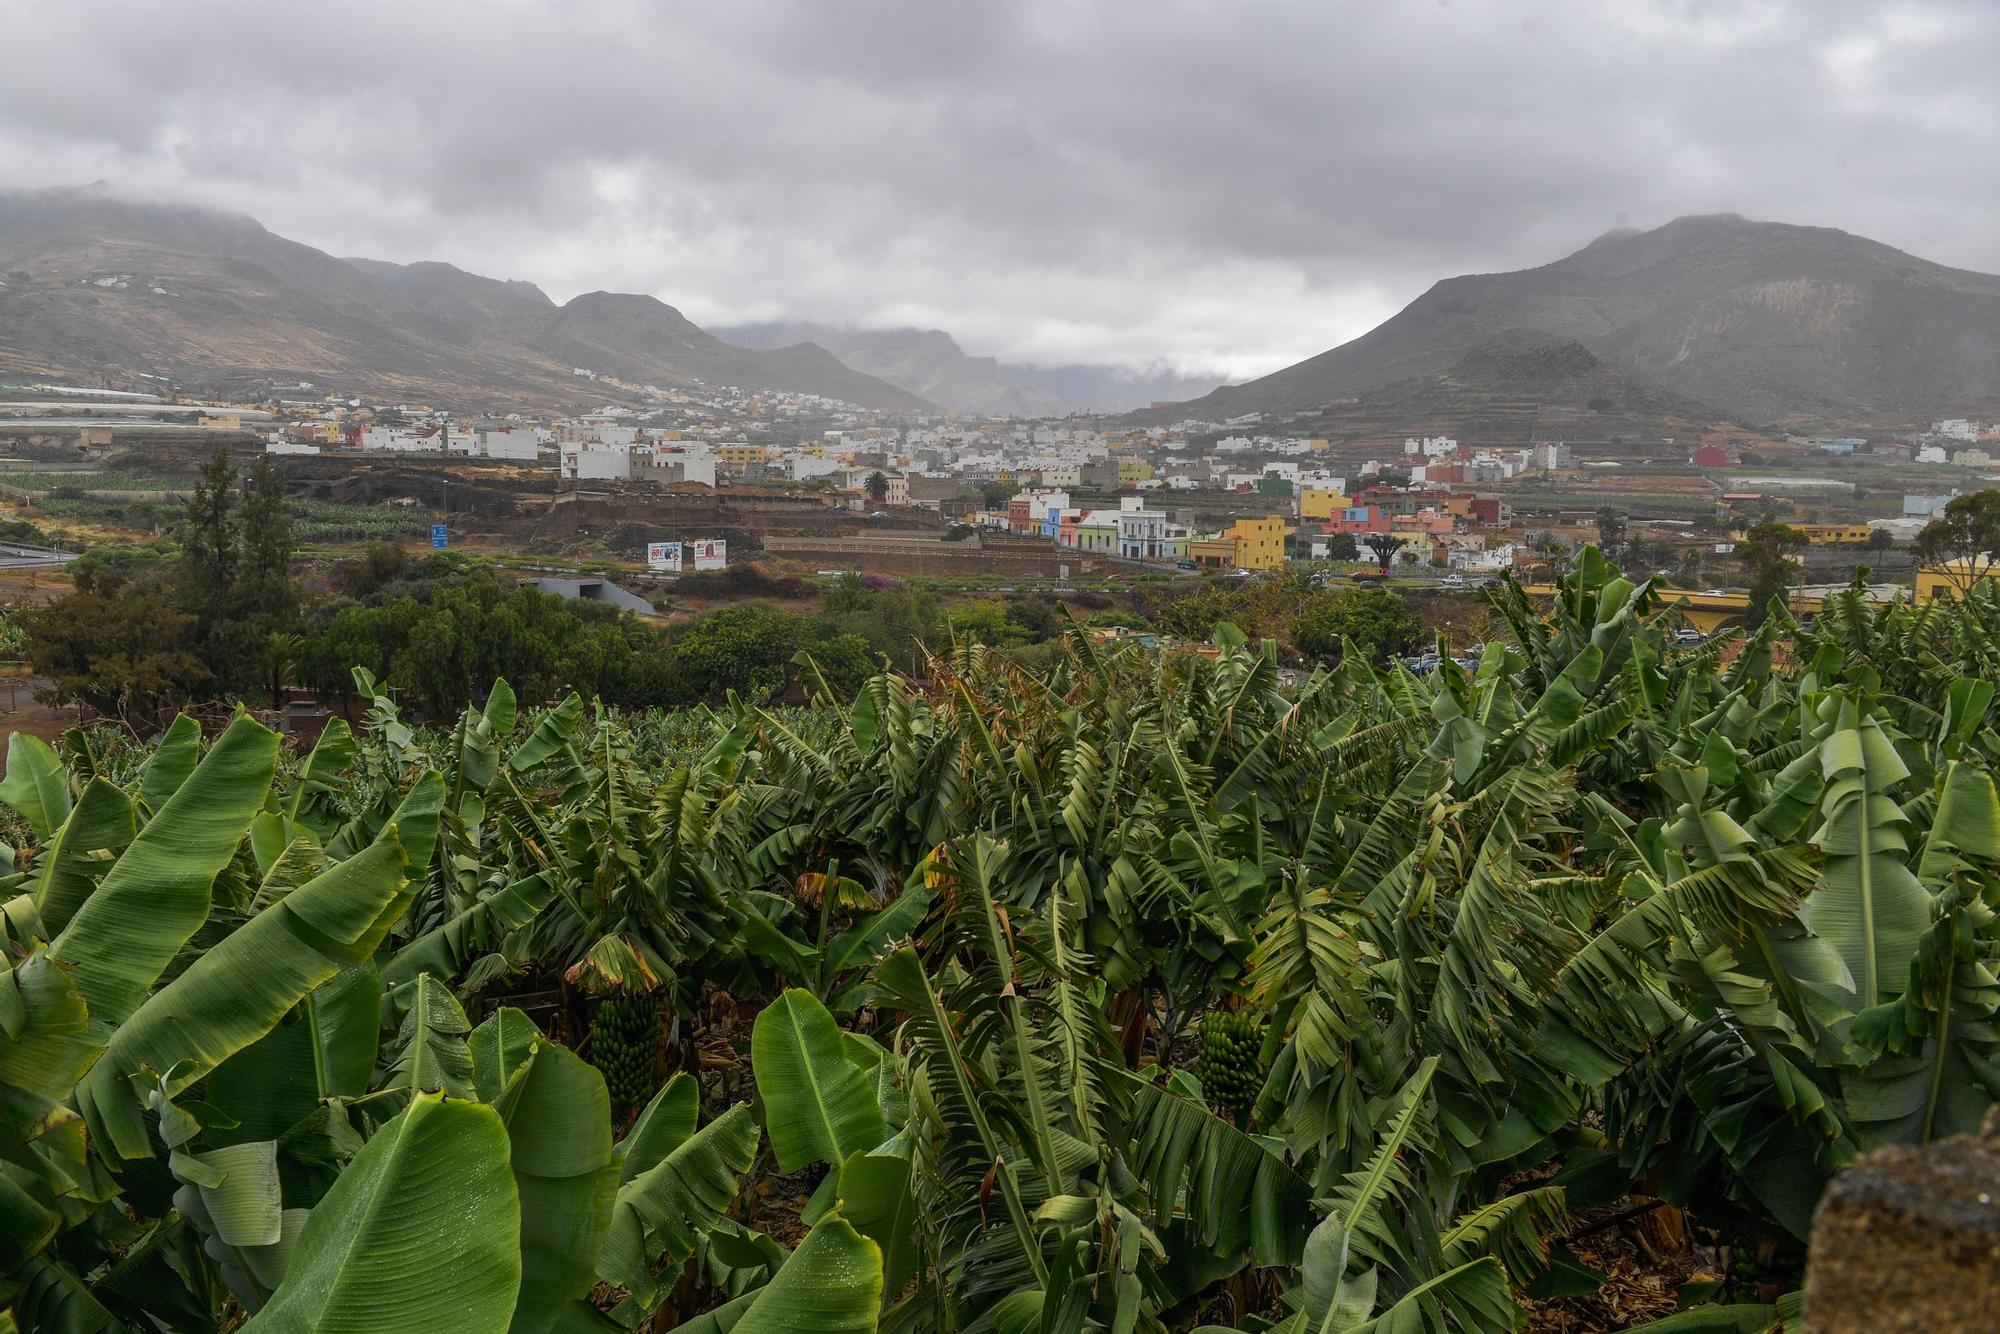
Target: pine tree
[209, 539]
[264, 601]
[264, 584]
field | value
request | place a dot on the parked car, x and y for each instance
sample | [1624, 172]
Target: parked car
[1452, 581]
[1689, 638]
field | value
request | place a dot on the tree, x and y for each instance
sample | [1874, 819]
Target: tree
[1963, 541]
[1552, 549]
[1611, 533]
[747, 649]
[266, 526]
[209, 538]
[1879, 539]
[1384, 547]
[1765, 553]
[116, 644]
[1341, 546]
[263, 601]
[1688, 573]
[878, 488]
[992, 495]
[1375, 620]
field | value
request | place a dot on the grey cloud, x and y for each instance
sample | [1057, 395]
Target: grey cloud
[1227, 186]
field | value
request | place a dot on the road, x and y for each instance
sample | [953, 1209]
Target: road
[16, 557]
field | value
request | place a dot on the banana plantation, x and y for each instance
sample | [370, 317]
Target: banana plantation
[1141, 994]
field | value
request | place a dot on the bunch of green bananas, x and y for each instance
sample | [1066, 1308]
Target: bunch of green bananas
[1231, 1067]
[624, 1038]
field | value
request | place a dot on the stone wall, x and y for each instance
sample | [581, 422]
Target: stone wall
[1909, 1239]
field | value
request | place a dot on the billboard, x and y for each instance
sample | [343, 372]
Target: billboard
[710, 555]
[664, 556]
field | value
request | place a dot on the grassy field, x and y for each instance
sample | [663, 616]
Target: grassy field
[322, 522]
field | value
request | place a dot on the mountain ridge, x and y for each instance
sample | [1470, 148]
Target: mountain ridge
[1761, 320]
[93, 283]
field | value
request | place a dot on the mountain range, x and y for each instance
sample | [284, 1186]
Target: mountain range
[930, 363]
[1760, 321]
[95, 285]
[1713, 316]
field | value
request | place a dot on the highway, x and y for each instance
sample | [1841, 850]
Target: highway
[16, 557]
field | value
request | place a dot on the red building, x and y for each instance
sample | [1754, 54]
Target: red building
[1359, 519]
[1713, 456]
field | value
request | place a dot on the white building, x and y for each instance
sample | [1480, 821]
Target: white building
[519, 443]
[1142, 532]
[1431, 446]
[670, 464]
[805, 467]
[402, 440]
[595, 463]
[1956, 428]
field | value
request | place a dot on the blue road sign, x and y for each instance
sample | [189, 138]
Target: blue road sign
[439, 537]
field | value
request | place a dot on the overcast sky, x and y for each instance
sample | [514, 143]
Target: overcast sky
[1228, 186]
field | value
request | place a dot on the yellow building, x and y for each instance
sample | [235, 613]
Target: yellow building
[1835, 534]
[741, 456]
[1320, 502]
[1212, 553]
[1953, 577]
[1134, 470]
[1260, 543]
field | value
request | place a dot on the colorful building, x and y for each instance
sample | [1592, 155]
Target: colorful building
[1360, 519]
[1834, 534]
[1320, 503]
[1097, 531]
[737, 457]
[1257, 544]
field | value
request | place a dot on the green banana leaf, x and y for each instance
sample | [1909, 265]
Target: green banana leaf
[1869, 904]
[662, 1208]
[102, 820]
[156, 895]
[421, 1233]
[876, 1196]
[558, 1119]
[667, 1120]
[832, 1284]
[239, 990]
[171, 762]
[447, 949]
[430, 1046]
[36, 784]
[817, 1107]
